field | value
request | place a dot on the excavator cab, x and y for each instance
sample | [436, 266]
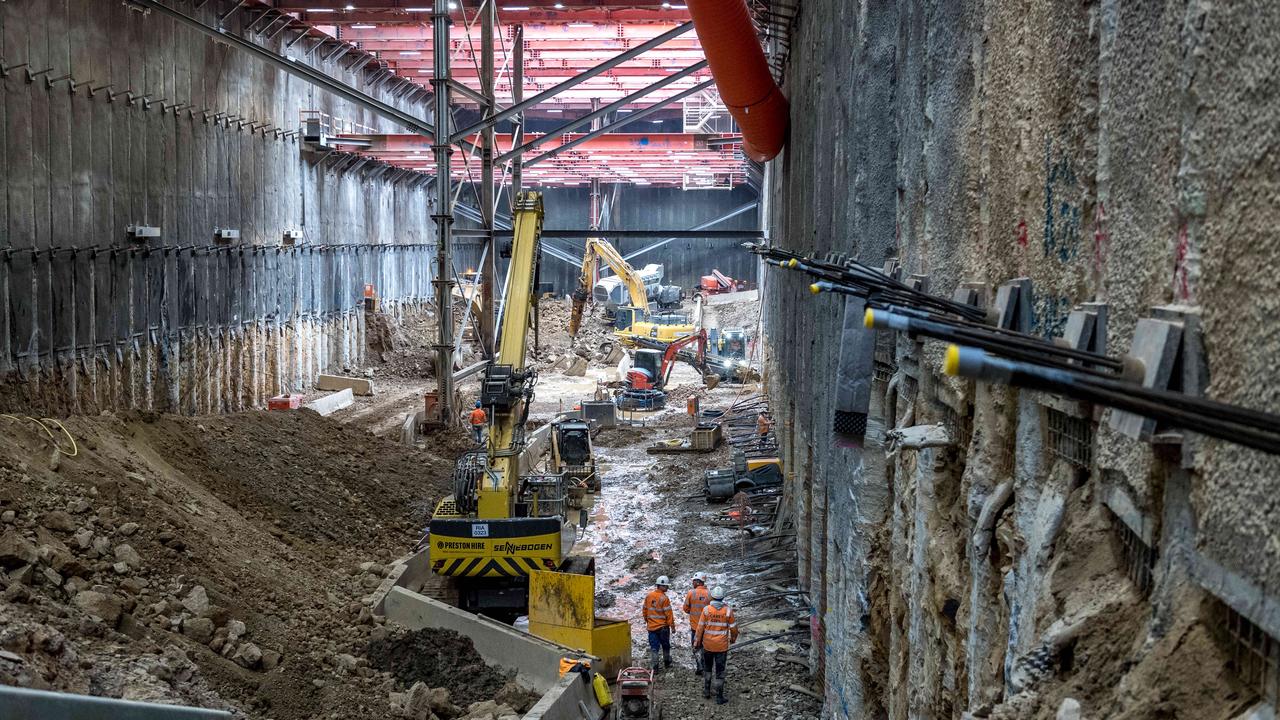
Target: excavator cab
[572, 443]
[732, 344]
[646, 370]
[626, 316]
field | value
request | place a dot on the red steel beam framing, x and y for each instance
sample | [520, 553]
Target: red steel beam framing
[672, 159]
[649, 142]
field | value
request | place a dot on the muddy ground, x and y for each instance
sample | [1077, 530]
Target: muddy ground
[651, 519]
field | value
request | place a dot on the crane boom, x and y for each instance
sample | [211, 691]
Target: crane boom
[495, 499]
[498, 526]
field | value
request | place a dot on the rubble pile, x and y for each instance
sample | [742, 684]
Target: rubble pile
[217, 561]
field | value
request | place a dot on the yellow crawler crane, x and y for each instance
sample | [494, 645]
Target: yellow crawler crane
[633, 319]
[497, 526]
[501, 538]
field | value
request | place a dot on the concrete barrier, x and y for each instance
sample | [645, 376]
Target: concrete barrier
[409, 428]
[735, 297]
[409, 572]
[566, 700]
[535, 661]
[332, 403]
[359, 386]
[537, 444]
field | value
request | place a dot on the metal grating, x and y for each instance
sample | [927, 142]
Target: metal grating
[1256, 654]
[959, 427]
[1139, 557]
[885, 341]
[882, 372]
[1007, 459]
[909, 387]
[1070, 438]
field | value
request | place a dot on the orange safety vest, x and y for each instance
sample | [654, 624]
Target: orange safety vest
[694, 603]
[657, 610]
[762, 425]
[478, 417]
[719, 628]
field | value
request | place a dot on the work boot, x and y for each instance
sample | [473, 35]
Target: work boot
[653, 660]
[706, 686]
[720, 698]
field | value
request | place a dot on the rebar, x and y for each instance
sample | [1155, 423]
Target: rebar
[762, 638]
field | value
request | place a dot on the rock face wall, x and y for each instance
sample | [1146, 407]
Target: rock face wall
[1111, 152]
[130, 119]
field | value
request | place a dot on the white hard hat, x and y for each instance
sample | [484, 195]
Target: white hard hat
[717, 593]
[663, 580]
[699, 576]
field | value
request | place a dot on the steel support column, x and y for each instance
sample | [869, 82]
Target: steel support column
[517, 96]
[488, 267]
[443, 216]
[619, 123]
[574, 81]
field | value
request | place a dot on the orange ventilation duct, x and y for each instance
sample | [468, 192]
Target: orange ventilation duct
[737, 63]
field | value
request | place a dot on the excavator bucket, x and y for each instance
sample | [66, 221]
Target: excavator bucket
[711, 380]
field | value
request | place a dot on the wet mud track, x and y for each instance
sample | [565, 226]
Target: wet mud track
[649, 520]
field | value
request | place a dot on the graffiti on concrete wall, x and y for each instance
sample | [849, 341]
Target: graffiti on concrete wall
[1049, 315]
[1062, 211]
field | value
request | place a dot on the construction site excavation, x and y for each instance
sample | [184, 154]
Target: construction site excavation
[639, 360]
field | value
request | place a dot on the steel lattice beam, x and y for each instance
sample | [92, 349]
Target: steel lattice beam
[576, 80]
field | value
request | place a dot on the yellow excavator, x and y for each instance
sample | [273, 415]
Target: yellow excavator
[501, 541]
[629, 320]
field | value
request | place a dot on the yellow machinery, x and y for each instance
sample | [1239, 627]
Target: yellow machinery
[499, 527]
[562, 610]
[572, 457]
[631, 319]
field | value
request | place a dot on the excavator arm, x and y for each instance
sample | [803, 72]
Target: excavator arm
[583, 292]
[596, 250]
[673, 353]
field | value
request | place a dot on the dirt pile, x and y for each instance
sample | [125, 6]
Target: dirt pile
[443, 658]
[743, 314]
[594, 334]
[399, 343]
[216, 561]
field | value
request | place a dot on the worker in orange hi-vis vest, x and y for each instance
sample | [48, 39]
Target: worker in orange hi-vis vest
[717, 630]
[659, 619]
[694, 602]
[478, 420]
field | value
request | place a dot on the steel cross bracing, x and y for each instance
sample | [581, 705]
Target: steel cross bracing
[640, 158]
[554, 54]
[574, 81]
[576, 164]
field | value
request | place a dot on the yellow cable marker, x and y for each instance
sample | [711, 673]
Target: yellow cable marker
[792, 263]
[814, 287]
[869, 319]
[951, 362]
